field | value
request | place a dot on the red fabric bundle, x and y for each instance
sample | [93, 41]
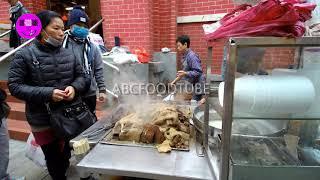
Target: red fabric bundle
[268, 18]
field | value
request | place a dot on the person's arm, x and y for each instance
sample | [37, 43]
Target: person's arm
[98, 69]
[98, 74]
[17, 82]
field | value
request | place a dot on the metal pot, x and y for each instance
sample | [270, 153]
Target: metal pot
[215, 121]
[254, 127]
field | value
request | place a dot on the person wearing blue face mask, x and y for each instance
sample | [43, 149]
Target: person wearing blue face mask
[76, 39]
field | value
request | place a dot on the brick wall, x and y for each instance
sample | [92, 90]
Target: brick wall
[165, 26]
[148, 24]
[128, 19]
[278, 57]
[4, 15]
[36, 6]
[200, 7]
[33, 6]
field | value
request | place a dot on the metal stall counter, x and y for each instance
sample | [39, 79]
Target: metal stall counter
[141, 161]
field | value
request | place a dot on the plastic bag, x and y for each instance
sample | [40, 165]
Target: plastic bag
[170, 97]
[97, 40]
[210, 28]
[315, 15]
[142, 54]
[268, 18]
[34, 152]
[123, 58]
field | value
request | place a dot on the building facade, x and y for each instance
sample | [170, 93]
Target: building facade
[154, 24]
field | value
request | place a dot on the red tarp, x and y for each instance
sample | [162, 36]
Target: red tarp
[268, 18]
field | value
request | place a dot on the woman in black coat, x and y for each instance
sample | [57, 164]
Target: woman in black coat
[55, 77]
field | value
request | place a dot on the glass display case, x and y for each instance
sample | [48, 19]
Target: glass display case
[269, 104]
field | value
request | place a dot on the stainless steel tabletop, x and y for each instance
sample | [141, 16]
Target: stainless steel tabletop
[97, 136]
[145, 163]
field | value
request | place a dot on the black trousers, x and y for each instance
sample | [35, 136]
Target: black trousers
[57, 159]
[91, 102]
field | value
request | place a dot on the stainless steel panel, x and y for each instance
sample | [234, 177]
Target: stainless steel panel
[145, 163]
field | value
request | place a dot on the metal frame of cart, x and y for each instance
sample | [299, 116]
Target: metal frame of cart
[222, 170]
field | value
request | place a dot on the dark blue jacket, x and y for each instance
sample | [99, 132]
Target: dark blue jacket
[192, 65]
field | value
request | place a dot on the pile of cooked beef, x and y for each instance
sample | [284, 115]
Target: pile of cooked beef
[165, 125]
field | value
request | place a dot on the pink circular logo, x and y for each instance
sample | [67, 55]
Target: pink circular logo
[28, 26]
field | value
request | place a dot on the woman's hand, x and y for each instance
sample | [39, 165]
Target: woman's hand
[58, 95]
[69, 93]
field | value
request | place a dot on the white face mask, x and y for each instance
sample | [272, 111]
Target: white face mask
[52, 41]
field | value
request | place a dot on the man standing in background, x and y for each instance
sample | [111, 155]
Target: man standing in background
[16, 10]
[192, 70]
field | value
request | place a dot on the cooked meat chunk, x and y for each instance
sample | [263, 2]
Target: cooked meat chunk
[164, 147]
[148, 133]
[129, 128]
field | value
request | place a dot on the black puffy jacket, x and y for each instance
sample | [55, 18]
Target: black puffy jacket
[58, 68]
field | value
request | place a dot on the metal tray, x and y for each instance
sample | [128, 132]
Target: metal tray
[108, 139]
